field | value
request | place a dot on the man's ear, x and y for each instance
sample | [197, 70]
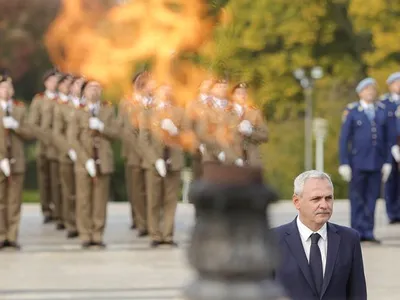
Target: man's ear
[296, 201]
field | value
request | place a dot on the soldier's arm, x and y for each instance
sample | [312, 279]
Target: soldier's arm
[130, 135]
[345, 137]
[260, 130]
[144, 137]
[47, 120]
[24, 129]
[230, 141]
[209, 140]
[111, 129]
[34, 118]
[74, 130]
[59, 138]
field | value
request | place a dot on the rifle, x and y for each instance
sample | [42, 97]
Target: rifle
[8, 142]
[96, 145]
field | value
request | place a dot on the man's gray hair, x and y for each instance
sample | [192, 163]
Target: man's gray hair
[303, 177]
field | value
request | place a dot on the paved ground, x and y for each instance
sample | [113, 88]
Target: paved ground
[50, 267]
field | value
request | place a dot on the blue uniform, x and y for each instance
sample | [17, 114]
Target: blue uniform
[364, 145]
[392, 189]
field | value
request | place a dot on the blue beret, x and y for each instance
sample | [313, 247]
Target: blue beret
[364, 83]
[392, 78]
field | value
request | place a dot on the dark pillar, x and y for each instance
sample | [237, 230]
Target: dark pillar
[231, 248]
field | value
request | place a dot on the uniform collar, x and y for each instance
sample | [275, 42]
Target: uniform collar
[64, 98]
[239, 109]
[366, 105]
[50, 95]
[395, 97]
[76, 101]
[4, 104]
[306, 232]
[220, 103]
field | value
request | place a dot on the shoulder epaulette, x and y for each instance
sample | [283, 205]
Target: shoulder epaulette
[106, 103]
[381, 105]
[384, 97]
[352, 105]
[18, 103]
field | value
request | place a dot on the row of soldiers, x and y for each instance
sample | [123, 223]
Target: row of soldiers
[75, 129]
[369, 154]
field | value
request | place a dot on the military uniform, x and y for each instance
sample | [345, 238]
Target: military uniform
[124, 105]
[364, 147]
[11, 187]
[63, 117]
[254, 136]
[162, 147]
[48, 109]
[129, 121]
[92, 193]
[195, 110]
[217, 132]
[35, 120]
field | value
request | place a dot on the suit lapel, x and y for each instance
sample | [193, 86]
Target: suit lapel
[333, 248]
[296, 247]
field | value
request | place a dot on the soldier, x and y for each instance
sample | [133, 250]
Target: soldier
[217, 129]
[63, 88]
[63, 116]
[365, 158]
[92, 129]
[13, 131]
[251, 127]
[35, 120]
[195, 110]
[160, 133]
[141, 98]
[391, 101]
[123, 121]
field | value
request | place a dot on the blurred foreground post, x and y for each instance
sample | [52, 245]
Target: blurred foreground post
[231, 248]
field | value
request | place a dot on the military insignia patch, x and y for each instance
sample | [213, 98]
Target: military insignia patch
[398, 112]
[344, 115]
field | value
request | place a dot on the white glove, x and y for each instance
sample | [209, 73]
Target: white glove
[202, 149]
[345, 172]
[396, 153]
[90, 166]
[239, 162]
[72, 155]
[386, 169]
[221, 156]
[5, 167]
[96, 124]
[245, 127]
[10, 123]
[161, 167]
[169, 126]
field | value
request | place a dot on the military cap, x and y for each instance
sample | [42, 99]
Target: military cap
[85, 83]
[49, 73]
[365, 83]
[393, 77]
[4, 78]
[241, 85]
[64, 77]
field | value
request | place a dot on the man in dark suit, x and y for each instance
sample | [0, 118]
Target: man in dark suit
[318, 259]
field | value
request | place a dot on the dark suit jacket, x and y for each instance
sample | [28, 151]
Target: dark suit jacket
[344, 273]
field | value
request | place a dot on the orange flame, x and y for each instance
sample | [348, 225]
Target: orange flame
[106, 44]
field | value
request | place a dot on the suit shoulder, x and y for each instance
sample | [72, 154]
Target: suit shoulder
[347, 232]
[280, 230]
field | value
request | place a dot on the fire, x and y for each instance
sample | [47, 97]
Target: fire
[105, 44]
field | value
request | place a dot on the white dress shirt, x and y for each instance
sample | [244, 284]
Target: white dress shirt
[366, 105]
[305, 235]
